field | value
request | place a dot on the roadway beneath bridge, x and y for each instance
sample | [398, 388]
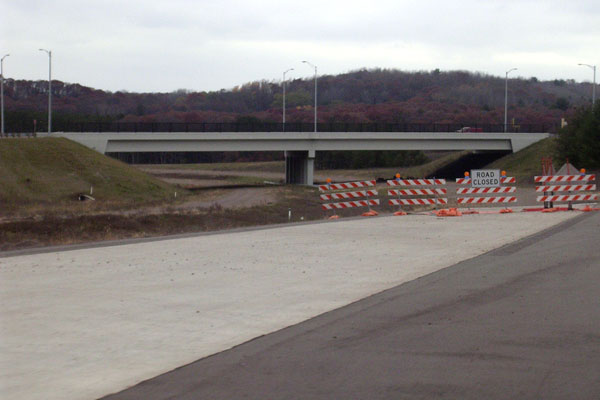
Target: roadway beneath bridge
[300, 147]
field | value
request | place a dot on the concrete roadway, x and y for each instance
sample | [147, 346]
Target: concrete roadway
[522, 321]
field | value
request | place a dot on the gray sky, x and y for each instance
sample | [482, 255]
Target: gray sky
[152, 45]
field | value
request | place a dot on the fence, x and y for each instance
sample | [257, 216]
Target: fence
[133, 127]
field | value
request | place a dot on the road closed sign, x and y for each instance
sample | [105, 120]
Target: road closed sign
[485, 177]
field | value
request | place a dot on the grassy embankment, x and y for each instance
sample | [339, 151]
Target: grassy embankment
[49, 173]
[41, 179]
[527, 163]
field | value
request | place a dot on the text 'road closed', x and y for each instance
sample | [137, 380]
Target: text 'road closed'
[485, 178]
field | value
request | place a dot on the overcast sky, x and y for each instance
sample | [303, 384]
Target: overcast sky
[154, 45]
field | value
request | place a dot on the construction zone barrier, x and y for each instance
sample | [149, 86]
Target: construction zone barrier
[565, 178]
[568, 198]
[346, 185]
[349, 195]
[489, 189]
[549, 197]
[350, 204]
[566, 188]
[365, 194]
[504, 180]
[420, 191]
[486, 200]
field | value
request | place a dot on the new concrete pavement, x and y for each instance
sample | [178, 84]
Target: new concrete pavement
[87, 322]
[520, 322]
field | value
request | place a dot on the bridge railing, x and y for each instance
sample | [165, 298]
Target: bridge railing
[133, 127]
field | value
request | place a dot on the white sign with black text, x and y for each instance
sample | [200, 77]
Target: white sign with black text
[485, 177]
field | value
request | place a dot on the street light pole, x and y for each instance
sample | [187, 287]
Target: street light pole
[506, 98]
[283, 84]
[49, 89]
[315, 67]
[2, 91]
[593, 67]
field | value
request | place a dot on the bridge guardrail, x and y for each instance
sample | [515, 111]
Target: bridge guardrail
[198, 127]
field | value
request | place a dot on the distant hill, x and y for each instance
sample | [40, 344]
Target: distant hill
[376, 95]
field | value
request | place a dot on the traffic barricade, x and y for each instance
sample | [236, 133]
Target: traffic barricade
[417, 192]
[356, 198]
[465, 194]
[575, 183]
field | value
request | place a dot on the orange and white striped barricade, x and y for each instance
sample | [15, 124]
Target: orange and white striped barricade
[354, 198]
[465, 194]
[574, 183]
[427, 190]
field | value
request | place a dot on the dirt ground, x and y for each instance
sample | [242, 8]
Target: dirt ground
[210, 200]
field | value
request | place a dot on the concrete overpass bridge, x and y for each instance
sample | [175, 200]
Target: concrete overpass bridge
[299, 147]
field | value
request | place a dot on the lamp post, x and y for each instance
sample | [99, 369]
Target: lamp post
[506, 98]
[2, 92]
[49, 89]
[283, 85]
[315, 67]
[593, 67]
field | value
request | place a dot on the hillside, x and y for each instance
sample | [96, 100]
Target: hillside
[376, 95]
[51, 172]
[528, 162]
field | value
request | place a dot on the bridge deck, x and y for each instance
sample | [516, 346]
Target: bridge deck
[300, 147]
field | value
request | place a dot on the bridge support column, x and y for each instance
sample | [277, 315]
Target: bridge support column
[299, 167]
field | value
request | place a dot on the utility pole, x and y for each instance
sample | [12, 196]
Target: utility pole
[49, 89]
[2, 91]
[315, 67]
[506, 98]
[283, 84]
[593, 67]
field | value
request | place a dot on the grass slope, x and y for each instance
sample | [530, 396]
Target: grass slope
[52, 171]
[527, 162]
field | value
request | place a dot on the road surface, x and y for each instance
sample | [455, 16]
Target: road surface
[520, 322]
[80, 323]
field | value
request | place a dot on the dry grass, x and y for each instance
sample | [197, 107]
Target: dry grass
[53, 229]
[527, 163]
[51, 172]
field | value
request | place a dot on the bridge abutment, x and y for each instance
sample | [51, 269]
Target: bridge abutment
[299, 167]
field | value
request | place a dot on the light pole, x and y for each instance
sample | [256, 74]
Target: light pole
[315, 67]
[593, 67]
[283, 84]
[49, 89]
[506, 98]
[2, 91]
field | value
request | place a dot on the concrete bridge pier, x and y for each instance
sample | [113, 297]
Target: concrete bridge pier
[299, 167]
